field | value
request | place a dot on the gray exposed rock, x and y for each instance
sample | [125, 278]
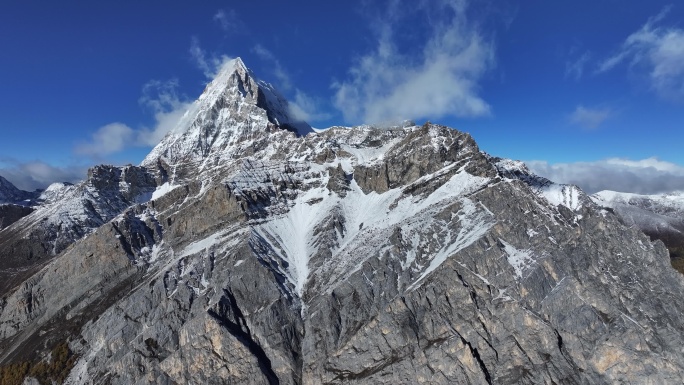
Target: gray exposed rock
[357, 255]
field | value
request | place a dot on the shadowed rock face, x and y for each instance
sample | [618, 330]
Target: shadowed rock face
[400, 255]
[10, 194]
[10, 213]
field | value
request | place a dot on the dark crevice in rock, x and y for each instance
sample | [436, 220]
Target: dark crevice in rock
[562, 349]
[486, 340]
[226, 307]
[471, 291]
[476, 355]
[411, 321]
[560, 340]
[347, 376]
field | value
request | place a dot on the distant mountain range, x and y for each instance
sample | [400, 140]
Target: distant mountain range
[659, 216]
[248, 249]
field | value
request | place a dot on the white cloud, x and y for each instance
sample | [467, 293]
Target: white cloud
[34, 175]
[283, 77]
[106, 140]
[575, 68]
[590, 117]
[646, 176]
[307, 108]
[659, 52]
[440, 79]
[229, 21]
[167, 106]
[162, 98]
[209, 64]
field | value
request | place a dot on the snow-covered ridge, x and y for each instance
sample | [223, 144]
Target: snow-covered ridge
[556, 194]
[66, 212]
[55, 192]
[657, 215]
[670, 204]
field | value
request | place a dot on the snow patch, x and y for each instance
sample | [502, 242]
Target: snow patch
[356, 222]
[519, 259]
[205, 243]
[163, 190]
[563, 194]
[474, 223]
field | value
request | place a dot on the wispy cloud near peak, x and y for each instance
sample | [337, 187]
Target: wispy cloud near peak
[441, 78]
[590, 118]
[209, 64]
[656, 51]
[229, 21]
[167, 106]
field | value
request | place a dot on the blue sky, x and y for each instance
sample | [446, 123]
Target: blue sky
[587, 92]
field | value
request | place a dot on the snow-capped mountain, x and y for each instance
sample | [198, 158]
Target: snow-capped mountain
[669, 205]
[659, 216]
[236, 99]
[242, 251]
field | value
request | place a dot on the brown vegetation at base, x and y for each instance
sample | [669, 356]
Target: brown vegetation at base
[678, 264]
[61, 362]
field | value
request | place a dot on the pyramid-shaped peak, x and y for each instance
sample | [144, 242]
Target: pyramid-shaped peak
[230, 71]
[232, 66]
[236, 82]
[239, 64]
[234, 104]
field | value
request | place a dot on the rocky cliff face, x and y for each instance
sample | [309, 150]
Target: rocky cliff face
[68, 213]
[356, 255]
